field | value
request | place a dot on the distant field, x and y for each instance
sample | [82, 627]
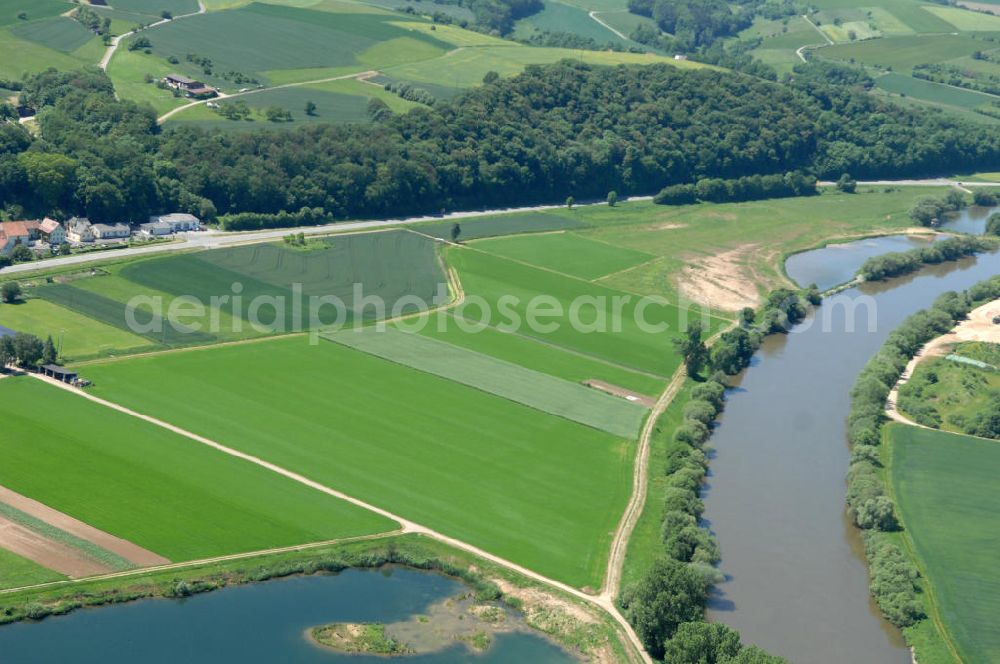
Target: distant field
[932, 92]
[553, 360]
[966, 20]
[389, 265]
[534, 488]
[60, 33]
[76, 336]
[35, 9]
[902, 53]
[945, 486]
[31, 53]
[568, 253]
[509, 224]
[520, 384]
[155, 488]
[16, 571]
[597, 330]
[155, 7]
[560, 17]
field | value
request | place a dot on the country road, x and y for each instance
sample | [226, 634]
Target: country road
[115, 41]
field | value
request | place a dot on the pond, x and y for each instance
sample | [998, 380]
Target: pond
[837, 264]
[264, 622]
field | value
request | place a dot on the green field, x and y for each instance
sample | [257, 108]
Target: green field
[945, 486]
[533, 488]
[395, 266]
[936, 93]
[16, 571]
[60, 33]
[155, 7]
[535, 354]
[145, 484]
[35, 9]
[567, 253]
[508, 224]
[519, 384]
[76, 335]
[902, 53]
[559, 17]
[965, 20]
[607, 325]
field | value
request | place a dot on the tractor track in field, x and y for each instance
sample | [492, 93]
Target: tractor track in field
[603, 601]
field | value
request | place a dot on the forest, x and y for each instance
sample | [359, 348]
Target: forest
[567, 129]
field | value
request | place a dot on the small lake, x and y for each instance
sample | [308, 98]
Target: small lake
[837, 264]
[263, 622]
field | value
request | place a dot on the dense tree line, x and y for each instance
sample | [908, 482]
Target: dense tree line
[692, 24]
[930, 211]
[553, 131]
[894, 581]
[894, 264]
[993, 224]
[747, 188]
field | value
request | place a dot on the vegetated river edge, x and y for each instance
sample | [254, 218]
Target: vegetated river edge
[796, 582]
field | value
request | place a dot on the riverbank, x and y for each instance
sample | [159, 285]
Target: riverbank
[574, 625]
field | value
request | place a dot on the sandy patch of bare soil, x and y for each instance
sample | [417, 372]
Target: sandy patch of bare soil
[617, 391]
[127, 550]
[723, 281]
[979, 326]
[46, 552]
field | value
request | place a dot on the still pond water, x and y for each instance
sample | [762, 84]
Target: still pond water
[265, 622]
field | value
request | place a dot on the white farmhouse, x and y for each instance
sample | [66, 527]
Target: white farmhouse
[178, 221]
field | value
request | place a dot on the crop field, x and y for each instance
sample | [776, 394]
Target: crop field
[60, 33]
[508, 224]
[966, 21]
[155, 7]
[155, 488]
[76, 336]
[902, 84]
[567, 253]
[389, 265]
[534, 354]
[23, 54]
[559, 17]
[537, 489]
[945, 487]
[16, 571]
[902, 53]
[296, 38]
[607, 324]
[522, 385]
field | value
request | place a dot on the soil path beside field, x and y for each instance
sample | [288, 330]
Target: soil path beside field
[127, 550]
[49, 553]
[604, 601]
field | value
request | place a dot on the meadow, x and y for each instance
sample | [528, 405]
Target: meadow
[35, 9]
[508, 224]
[936, 93]
[517, 383]
[945, 491]
[76, 336]
[60, 33]
[902, 53]
[16, 571]
[567, 253]
[536, 489]
[559, 17]
[153, 487]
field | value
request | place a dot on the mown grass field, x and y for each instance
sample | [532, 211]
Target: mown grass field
[568, 253]
[902, 53]
[16, 571]
[508, 224]
[35, 9]
[164, 492]
[945, 491]
[59, 33]
[534, 488]
[534, 354]
[517, 383]
[76, 336]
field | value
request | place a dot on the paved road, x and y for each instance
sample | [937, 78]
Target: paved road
[215, 239]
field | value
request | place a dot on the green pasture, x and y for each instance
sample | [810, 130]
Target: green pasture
[128, 70]
[35, 9]
[519, 384]
[966, 20]
[425, 8]
[59, 33]
[578, 315]
[497, 225]
[156, 7]
[536, 489]
[559, 17]
[153, 487]
[936, 93]
[260, 38]
[945, 487]
[567, 253]
[902, 53]
[16, 571]
[76, 336]
[534, 354]
[19, 55]
[623, 20]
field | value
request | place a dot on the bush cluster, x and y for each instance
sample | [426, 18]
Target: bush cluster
[748, 188]
[244, 221]
[411, 92]
[897, 263]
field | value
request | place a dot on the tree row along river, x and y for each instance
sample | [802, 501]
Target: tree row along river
[796, 582]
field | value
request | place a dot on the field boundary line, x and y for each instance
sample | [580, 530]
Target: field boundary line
[203, 561]
[406, 526]
[594, 16]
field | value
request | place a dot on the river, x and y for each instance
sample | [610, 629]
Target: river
[796, 582]
[263, 622]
